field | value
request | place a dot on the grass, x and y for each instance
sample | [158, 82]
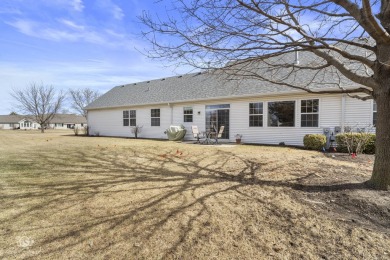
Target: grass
[68, 197]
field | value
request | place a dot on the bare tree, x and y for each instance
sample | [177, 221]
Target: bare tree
[81, 98]
[41, 102]
[346, 47]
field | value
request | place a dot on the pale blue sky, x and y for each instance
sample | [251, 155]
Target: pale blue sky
[74, 44]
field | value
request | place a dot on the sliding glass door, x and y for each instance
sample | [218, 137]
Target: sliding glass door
[217, 116]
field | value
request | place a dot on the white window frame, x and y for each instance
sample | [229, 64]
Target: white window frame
[184, 114]
[309, 113]
[262, 114]
[155, 117]
[280, 101]
[132, 117]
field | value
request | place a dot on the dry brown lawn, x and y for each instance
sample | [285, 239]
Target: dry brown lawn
[68, 197]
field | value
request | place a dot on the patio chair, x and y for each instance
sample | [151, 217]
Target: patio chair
[196, 133]
[219, 134]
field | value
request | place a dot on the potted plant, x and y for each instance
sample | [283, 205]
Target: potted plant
[238, 138]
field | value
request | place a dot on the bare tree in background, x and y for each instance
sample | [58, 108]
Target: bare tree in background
[347, 47]
[81, 98]
[41, 102]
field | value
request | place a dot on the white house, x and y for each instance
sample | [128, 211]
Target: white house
[59, 121]
[17, 122]
[67, 121]
[261, 112]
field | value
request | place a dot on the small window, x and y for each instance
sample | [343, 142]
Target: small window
[281, 113]
[374, 108]
[256, 114]
[155, 117]
[188, 114]
[133, 117]
[309, 113]
[126, 118]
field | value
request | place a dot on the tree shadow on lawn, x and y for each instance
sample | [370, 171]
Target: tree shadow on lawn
[107, 200]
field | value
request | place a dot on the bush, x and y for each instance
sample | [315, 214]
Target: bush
[314, 141]
[356, 142]
[76, 130]
[136, 130]
[370, 145]
[86, 130]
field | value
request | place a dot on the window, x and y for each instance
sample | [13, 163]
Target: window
[155, 117]
[126, 118]
[281, 113]
[256, 114]
[188, 114]
[374, 108]
[309, 113]
[133, 118]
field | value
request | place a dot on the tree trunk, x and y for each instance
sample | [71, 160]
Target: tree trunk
[380, 178]
[42, 129]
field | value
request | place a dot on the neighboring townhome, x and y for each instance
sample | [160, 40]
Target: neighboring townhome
[17, 122]
[67, 121]
[260, 111]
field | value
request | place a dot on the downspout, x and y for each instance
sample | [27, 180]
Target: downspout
[169, 105]
[343, 113]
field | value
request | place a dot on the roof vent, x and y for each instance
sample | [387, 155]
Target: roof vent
[135, 84]
[122, 86]
[180, 76]
[162, 79]
[148, 81]
[199, 73]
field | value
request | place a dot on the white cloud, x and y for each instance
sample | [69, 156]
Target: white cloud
[24, 26]
[72, 32]
[77, 5]
[73, 5]
[115, 10]
[71, 24]
[9, 10]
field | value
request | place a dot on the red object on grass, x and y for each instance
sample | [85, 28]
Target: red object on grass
[354, 155]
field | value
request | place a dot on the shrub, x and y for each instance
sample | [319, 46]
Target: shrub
[86, 130]
[76, 130]
[356, 143]
[370, 145]
[136, 130]
[314, 141]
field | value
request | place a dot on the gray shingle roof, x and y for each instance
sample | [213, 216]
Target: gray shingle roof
[207, 85]
[180, 88]
[11, 119]
[58, 118]
[68, 118]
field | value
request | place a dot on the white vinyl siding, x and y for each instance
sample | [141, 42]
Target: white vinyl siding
[356, 114]
[109, 121]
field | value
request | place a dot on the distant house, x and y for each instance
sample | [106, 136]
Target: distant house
[67, 121]
[260, 111]
[59, 121]
[17, 122]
